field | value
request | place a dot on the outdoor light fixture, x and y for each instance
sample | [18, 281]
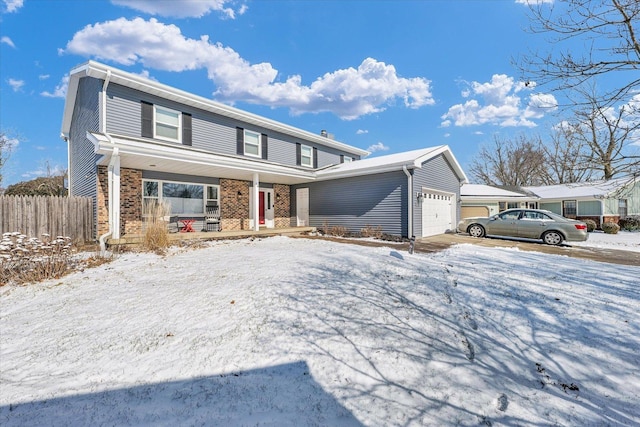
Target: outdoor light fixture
[419, 197]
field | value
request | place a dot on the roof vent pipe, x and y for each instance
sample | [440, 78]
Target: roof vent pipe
[324, 133]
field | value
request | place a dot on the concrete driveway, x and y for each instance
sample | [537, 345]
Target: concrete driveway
[443, 241]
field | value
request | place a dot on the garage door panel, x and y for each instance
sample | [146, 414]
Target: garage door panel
[436, 213]
[474, 211]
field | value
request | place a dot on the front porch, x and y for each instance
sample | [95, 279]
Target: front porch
[136, 239]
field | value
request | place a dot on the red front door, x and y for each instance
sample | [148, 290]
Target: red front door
[261, 209]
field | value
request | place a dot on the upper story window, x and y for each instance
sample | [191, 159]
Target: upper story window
[252, 143]
[347, 159]
[306, 156]
[166, 123]
[249, 143]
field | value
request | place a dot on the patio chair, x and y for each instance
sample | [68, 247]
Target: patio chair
[212, 218]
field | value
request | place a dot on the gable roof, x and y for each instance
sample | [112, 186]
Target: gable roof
[392, 162]
[490, 192]
[114, 75]
[593, 189]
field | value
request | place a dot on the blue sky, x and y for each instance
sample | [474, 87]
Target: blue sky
[387, 76]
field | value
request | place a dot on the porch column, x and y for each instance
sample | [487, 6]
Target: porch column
[256, 201]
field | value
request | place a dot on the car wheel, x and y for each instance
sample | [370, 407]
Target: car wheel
[552, 238]
[476, 230]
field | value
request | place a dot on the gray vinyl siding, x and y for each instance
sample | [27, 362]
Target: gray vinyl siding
[436, 174]
[82, 157]
[86, 117]
[210, 132]
[354, 203]
[555, 207]
[590, 207]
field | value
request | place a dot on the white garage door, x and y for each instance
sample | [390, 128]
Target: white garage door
[437, 212]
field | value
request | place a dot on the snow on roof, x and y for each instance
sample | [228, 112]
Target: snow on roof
[410, 159]
[479, 190]
[580, 189]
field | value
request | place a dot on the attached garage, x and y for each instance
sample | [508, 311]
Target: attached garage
[438, 212]
[410, 194]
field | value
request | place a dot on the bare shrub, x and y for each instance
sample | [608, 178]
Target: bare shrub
[370, 231]
[156, 231]
[591, 224]
[610, 228]
[28, 259]
[338, 230]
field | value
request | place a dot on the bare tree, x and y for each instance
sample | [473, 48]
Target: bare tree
[510, 162]
[565, 156]
[608, 138]
[609, 32]
[6, 147]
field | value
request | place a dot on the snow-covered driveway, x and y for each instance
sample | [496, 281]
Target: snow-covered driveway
[296, 332]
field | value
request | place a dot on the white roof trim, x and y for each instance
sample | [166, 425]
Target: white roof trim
[99, 71]
[391, 162]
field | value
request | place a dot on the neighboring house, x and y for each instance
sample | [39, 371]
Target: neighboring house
[486, 200]
[134, 142]
[601, 201]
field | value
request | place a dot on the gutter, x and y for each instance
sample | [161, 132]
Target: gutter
[409, 201]
[114, 157]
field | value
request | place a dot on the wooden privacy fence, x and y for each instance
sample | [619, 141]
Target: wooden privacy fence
[34, 216]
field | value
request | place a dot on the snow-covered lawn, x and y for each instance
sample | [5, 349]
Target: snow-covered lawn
[623, 240]
[297, 332]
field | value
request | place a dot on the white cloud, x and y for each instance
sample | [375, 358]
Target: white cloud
[348, 93]
[377, 147]
[6, 40]
[16, 85]
[361, 132]
[43, 76]
[500, 104]
[60, 90]
[11, 6]
[184, 8]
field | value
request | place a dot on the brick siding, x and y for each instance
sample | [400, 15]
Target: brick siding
[234, 204]
[130, 201]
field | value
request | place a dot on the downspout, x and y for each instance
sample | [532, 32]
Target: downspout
[112, 161]
[410, 201]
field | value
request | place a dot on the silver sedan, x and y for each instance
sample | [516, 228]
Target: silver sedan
[537, 224]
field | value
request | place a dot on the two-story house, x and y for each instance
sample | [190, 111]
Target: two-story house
[133, 141]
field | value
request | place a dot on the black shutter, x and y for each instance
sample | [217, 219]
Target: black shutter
[341, 158]
[264, 143]
[298, 154]
[186, 129]
[315, 158]
[146, 112]
[240, 141]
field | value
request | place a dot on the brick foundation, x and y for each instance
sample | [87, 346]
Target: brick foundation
[607, 218]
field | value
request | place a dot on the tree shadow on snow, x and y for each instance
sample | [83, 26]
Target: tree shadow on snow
[282, 395]
[386, 344]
